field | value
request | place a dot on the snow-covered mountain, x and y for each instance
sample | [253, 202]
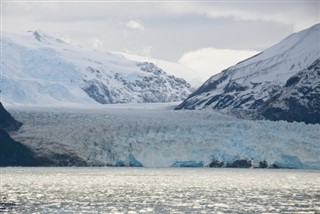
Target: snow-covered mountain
[178, 70]
[271, 78]
[38, 69]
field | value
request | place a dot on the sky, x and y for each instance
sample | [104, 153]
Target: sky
[207, 36]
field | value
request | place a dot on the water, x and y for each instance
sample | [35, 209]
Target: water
[147, 190]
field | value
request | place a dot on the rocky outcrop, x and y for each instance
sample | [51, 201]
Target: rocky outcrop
[298, 100]
[7, 122]
[13, 153]
[152, 86]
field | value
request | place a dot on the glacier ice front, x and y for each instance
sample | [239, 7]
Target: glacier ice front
[190, 163]
[130, 161]
[159, 137]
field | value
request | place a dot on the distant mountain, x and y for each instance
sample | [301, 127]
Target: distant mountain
[280, 83]
[38, 69]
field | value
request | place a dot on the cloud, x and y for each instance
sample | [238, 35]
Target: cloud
[135, 25]
[210, 61]
[171, 28]
[298, 14]
[97, 44]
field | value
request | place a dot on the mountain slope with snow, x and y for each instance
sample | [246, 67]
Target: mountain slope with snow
[298, 100]
[178, 70]
[38, 69]
[250, 84]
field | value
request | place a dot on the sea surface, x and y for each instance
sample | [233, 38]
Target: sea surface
[158, 190]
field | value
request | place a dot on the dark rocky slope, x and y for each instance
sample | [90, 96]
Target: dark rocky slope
[298, 100]
[13, 153]
[7, 122]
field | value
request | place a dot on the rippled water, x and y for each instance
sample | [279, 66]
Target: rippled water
[173, 190]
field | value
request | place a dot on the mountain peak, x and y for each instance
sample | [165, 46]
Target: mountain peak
[45, 38]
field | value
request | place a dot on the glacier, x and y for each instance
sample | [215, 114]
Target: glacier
[155, 135]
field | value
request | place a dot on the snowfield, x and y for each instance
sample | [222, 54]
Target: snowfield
[157, 136]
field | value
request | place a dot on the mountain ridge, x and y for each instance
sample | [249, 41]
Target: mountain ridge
[248, 85]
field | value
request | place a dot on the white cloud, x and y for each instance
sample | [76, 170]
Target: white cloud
[298, 14]
[135, 25]
[210, 61]
[97, 44]
[170, 27]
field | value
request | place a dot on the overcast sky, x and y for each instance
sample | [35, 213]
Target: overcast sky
[206, 35]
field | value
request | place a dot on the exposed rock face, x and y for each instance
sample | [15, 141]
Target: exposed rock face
[152, 86]
[298, 100]
[13, 153]
[98, 91]
[281, 83]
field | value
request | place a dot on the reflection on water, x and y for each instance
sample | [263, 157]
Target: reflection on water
[143, 190]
